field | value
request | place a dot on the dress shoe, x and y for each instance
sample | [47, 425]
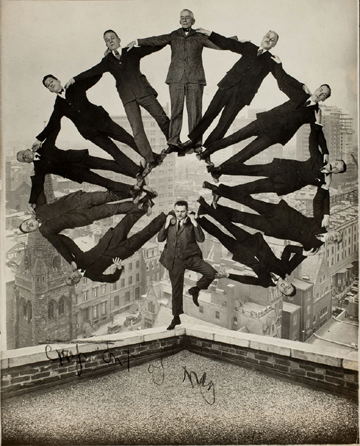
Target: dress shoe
[150, 192]
[171, 148]
[201, 211]
[135, 193]
[176, 321]
[221, 274]
[207, 185]
[194, 292]
[215, 172]
[202, 202]
[187, 145]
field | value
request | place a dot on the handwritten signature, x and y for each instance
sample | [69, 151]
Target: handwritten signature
[207, 390]
[65, 356]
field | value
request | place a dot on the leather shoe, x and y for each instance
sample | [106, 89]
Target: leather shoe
[187, 145]
[207, 185]
[176, 321]
[194, 292]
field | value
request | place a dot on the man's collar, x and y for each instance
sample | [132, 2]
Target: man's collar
[263, 49]
[119, 50]
[61, 94]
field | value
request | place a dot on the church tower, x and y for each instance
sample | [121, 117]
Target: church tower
[44, 303]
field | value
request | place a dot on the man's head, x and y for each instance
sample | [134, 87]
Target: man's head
[321, 93]
[73, 278]
[269, 40]
[338, 166]
[186, 18]
[181, 209]
[333, 237]
[29, 225]
[112, 40]
[285, 287]
[52, 83]
[25, 156]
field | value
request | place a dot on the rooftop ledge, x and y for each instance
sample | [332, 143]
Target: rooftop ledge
[33, 368]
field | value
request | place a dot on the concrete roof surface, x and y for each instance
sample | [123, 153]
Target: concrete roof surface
[154, 404]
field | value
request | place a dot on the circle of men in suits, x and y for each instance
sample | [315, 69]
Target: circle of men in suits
[181, 229]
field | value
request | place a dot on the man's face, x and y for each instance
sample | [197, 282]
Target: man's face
[29, 225]
[335, 167]
[25, 156]
[73, 278]
[269, 40]
[285, 287]
[320, 94]
[186, 19]
[53, 85]
[112, 41]
[180, 212]
[333, 237]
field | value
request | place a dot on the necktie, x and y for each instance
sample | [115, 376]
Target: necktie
[260, 51]
[117, 54]
[179, 225]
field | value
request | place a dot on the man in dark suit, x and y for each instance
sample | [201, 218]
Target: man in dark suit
[182, 252]
[284, 222]
[91, 120]
[252, 250]
[76, 210]
[72, 164]
[186, 76]
[134, 91]
[283, 175]
[238, 88]
[113, 247]
[277, 125]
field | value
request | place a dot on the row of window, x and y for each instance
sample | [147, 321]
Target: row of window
[56, 309]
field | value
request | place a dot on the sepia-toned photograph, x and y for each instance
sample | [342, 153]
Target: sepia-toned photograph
[179, 230]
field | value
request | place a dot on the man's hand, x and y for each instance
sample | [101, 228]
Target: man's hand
[203, 31]
[192, 217]
[107, 51]
[325, 221]
[31, 208]
[326, 158]
[70, 82]
[36, 145]
[311, 252]
[305, 88]
[168, 220]
[276, 59]
[117, 262]
[131, 45]
[73, 266]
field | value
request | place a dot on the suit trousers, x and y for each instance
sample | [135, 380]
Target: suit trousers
[176, 274]
[193, 94]
[102, 139]
[227, 100]
[262, 222]
[123, 247]
[87, 216]
[92, 162]
[254, 187]
[133, 113]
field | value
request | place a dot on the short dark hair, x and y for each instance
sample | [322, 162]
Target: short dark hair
[110, 31]
[21, 229]
[328, 86]
[47, 77]
[182, 203]
[293, 291]
[344, 166]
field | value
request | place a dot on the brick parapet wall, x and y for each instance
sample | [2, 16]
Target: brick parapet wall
[34, 368]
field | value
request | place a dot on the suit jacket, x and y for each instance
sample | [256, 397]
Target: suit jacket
[130, 82]
[291, 175]
[289, 224]
[65, 163]
[282, 122]
[64, 213]
[87, 117]
[257, 254]
[186, 55]
[182, 243]
[249, 71]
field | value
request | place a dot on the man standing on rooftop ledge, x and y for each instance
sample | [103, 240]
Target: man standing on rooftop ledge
[182, 232]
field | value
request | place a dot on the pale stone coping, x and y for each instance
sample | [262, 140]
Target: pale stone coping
[283, 347]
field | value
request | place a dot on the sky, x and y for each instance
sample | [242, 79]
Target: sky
[318, 44]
